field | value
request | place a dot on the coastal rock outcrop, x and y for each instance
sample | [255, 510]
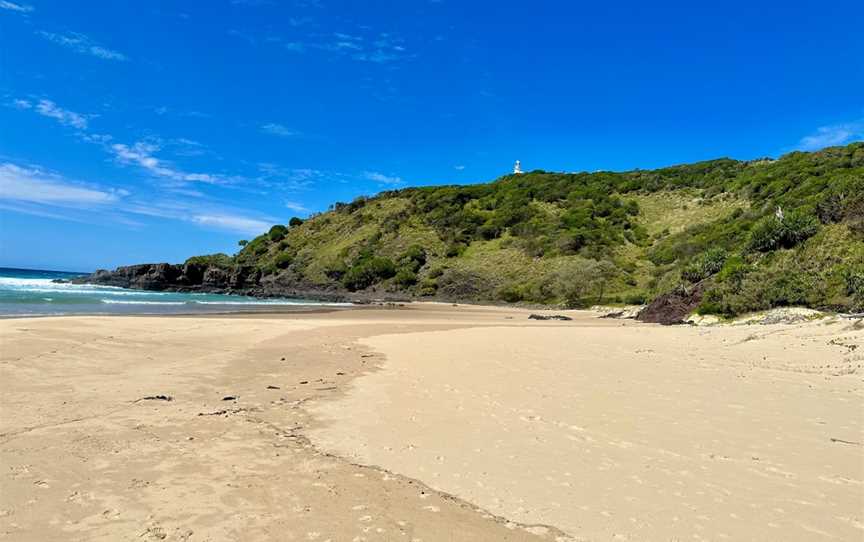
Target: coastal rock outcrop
[205, 278]
[673, 307]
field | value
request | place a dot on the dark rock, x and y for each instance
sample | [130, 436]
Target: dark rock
[157, 398]
[548, 317]
[673, 307]
[229, 398]
[271, 387]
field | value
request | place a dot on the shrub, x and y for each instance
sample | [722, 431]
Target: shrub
[455, 249]
[459, 284]
[489, 231]
[733, 270]
[295, 221]
[428, 286]
[413, 258]
[368, 271]
[218, 260]
[638, 298]
[277, 232]
[335, 269]
[512, 293]
[773, 232]
[855, 287]
[405, 277]
[282, 260]
[581, 277]
[705, 265]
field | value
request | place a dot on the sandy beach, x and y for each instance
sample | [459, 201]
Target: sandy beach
[429, 422]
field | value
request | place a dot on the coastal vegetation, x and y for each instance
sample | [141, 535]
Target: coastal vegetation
[753, 234]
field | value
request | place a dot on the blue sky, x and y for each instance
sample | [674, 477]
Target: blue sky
[152, 131]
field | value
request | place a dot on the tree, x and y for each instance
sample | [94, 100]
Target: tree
[579, 278]
[295, 221]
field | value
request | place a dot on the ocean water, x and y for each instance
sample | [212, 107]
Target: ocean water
[30, 292]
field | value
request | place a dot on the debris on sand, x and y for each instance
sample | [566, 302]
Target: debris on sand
[156, 398]
[548, 317]
[272, 387]
[230, 398]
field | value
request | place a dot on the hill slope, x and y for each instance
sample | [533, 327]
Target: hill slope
[752, 235]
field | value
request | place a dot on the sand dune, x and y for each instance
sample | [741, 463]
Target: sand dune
[337, 426]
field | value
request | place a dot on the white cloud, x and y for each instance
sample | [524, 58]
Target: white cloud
[83, 44]
[33, 185]
[36, 191]
[49, 109]
[459, 167]
[381, 178]
[837, 134]
[12, 6]
[294, 206]
[276, 129]
[141, 154]
[235, 223]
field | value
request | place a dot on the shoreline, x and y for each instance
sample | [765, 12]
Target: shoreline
[96, 450]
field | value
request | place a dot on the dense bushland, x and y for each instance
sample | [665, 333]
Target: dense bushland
[756, 234]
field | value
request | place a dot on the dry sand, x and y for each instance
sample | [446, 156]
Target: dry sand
[590, 429]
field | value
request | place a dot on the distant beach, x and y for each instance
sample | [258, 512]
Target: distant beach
[32, 292]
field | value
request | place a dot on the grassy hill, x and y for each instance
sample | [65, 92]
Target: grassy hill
[578, 239]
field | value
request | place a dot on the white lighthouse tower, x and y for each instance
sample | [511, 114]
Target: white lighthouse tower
[517, 168]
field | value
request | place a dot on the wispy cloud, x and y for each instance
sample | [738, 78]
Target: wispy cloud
[276, 129]
[81, 43]
[381, 178]
[239, 224]
[294, 206]
[49, 109]
[12, 6]
[379, 48]
[836, 134]
[36, 191]
[292, 179]
[142, 154]
[459, 167]
[35, 185]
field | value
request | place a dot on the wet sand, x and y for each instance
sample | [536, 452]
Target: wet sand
[427, 423]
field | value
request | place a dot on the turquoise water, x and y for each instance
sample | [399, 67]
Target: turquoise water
[29, 292]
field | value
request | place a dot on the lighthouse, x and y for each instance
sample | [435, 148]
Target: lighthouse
[517, 168]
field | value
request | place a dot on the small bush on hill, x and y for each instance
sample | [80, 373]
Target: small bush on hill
[217, 260]
[405, 277]
[283, 260]
[277, 232]
[705, 265]
[413, 258]
[773, 232]
[368, 271]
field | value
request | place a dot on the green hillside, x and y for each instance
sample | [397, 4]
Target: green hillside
[578, 239]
